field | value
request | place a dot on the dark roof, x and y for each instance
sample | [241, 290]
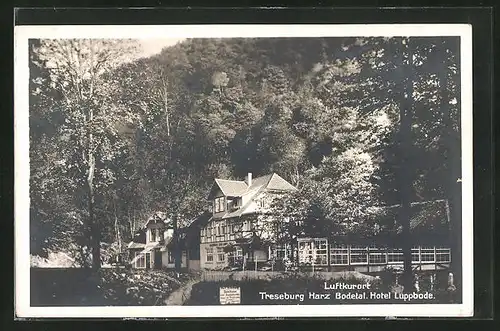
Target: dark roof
[429, 224]
[188, 229]
[424, 216]
[168, 242]
[159, 217]
[429, 214]
[197, 222]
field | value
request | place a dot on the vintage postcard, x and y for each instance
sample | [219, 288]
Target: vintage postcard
[243, 171]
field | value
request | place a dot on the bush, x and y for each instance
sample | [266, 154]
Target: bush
[108, 287]
[54, 260]
[139, 287]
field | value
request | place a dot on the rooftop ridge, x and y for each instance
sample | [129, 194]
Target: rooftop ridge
[269, 180]
[231, 180]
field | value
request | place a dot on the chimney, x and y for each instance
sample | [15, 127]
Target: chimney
[249, 179]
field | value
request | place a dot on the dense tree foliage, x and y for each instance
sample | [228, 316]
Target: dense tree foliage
[324, 113]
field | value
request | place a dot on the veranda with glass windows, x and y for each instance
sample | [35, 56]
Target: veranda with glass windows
[321, 253]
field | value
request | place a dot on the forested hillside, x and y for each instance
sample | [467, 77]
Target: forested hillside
[113, 141]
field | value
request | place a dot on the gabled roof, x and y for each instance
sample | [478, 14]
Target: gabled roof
[239, 188]
[231, 188]
[276, 183]
[272, 182]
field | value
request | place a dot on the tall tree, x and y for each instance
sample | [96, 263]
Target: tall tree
[405, 168]
[77, 69]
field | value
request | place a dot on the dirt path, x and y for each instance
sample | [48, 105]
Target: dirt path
[179, 296]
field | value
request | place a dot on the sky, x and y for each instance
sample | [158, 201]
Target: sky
[154, 46]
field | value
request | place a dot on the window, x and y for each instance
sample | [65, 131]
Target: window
[160, 235]
[313, 252]
[152, 235]
[202, 236]
[219, 204]
[305, 252]
[443, 255]
[281, 252]
[221, 256]
[140, 260]
[415, 254]
[427, 254]
[339, 254]
[395, 255]
[207, 234]
[359, 255]
[236, 256]
[320, 251]
[233, 204]
[247, 226]
[264, 202]
[210, 254]
[377, 256]
[210, 233]
[171, 257]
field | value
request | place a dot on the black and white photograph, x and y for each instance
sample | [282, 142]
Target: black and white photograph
[243, 171]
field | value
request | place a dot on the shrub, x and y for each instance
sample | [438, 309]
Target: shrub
[108, 287]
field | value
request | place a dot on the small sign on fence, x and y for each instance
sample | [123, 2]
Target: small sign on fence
[230, 295]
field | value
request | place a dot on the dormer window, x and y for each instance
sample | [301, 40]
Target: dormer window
[155, 235]
[219, 204]
[263, 202]
[233, 204]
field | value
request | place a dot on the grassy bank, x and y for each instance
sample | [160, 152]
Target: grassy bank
[107, 287]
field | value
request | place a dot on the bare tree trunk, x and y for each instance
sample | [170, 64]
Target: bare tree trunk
[165, 103]
[405, 172]
[94, 226]
[117, 229]
[130, 223]
[454, 166]
[177, 250]
[167, 115]
[133, 221]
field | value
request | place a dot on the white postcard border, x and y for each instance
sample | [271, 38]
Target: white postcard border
[21, 163]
